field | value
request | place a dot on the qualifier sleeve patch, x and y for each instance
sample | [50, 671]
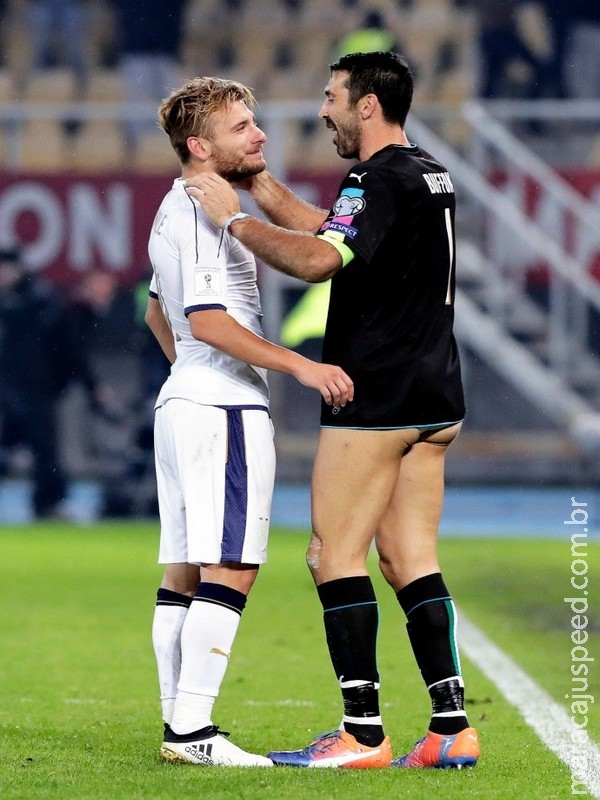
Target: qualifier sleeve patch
[350, 203]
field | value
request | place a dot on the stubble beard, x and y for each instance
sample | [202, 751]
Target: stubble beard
[235, 171]
[348, 140]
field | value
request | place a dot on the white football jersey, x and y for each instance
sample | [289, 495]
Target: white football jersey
[199, 266]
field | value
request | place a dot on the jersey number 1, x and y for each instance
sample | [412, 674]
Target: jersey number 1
[451, 255]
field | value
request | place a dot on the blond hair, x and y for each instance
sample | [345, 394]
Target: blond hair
[188, 110]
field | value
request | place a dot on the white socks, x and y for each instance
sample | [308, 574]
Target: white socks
[166, 640]
[206, 640]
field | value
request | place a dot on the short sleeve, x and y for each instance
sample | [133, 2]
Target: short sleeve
[363, 213]
[203, 250]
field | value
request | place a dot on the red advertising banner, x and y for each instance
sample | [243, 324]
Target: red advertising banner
[66, 225]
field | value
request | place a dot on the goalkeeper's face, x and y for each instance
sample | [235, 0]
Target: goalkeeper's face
[340, 117]
[236, 143]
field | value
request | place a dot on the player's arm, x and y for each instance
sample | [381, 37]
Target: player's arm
[282, 206]
[302, 255]
[219, 329]
[155, 320]
[296, 253]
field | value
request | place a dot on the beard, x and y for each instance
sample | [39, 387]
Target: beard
[348, 139]
[234, 169]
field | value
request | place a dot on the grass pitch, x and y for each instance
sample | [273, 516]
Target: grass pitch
[79, 711]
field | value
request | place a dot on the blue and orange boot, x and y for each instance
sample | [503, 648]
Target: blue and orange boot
[336, 749]
[436, 751]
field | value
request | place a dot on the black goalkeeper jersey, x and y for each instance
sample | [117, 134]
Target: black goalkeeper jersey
[390, 318]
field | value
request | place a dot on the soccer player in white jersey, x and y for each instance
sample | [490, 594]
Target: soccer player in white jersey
[214, 450]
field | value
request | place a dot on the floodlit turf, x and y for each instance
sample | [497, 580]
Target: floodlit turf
[79, 714]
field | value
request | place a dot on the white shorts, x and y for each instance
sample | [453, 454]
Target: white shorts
[215, 471]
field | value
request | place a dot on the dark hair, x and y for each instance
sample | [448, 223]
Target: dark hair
[385, 74]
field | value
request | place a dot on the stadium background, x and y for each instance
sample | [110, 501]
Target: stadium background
[78, 191]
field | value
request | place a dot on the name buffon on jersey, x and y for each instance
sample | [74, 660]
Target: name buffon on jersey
[439, 183]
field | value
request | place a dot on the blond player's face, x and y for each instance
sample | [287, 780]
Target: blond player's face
[236, 143]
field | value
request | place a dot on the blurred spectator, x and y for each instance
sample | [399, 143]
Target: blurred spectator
[373, 35]
[42, 351]
[509, 66]
[306, 319]
[28, 315]
[150, 50]
[558, 16]
[76, 333]
[582, 59]
[59, 32]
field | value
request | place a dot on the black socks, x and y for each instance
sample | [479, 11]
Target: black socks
[431, 629]
[351, 618]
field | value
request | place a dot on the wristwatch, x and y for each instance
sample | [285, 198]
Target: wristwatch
[232, 219]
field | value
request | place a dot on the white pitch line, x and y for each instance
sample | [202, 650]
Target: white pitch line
[548, 719]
